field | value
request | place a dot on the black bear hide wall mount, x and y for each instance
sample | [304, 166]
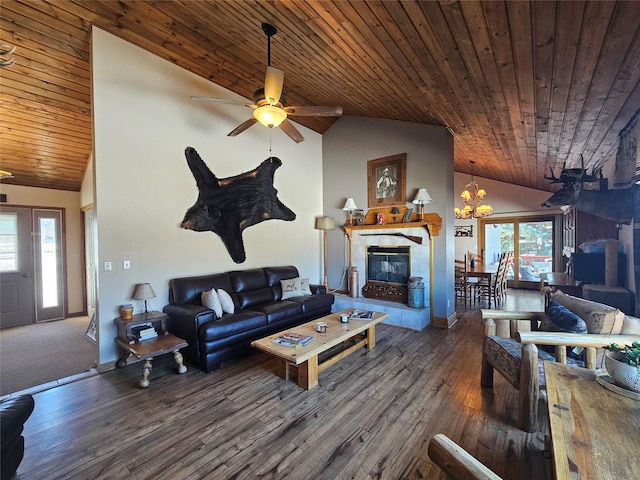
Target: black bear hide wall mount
[226, 206]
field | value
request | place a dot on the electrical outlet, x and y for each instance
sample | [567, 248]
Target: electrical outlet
[126, 264]
[107, 266]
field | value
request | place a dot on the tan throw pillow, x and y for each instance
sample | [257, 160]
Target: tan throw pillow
[226, 301]
[210, 300]
[291, 287]
[630, 325]
[600, 318]
[304, 287]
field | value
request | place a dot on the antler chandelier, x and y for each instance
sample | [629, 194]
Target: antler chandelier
[472, 197]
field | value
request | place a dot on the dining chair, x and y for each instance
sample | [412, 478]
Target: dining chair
[494, 289]
[461, 281]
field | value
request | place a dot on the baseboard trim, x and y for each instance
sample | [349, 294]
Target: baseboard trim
[442, 322]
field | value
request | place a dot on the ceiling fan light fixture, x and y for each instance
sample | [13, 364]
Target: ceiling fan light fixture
[270, 115]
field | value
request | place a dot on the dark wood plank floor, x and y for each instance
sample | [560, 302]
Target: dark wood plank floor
[371, 417]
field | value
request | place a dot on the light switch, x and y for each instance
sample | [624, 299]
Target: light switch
[107, 266]
[126, 264]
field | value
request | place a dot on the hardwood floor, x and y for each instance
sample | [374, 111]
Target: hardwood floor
[371, 416]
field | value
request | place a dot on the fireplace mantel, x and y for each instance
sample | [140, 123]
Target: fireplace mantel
[432, 221]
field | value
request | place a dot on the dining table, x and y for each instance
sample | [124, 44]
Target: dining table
[476, 273]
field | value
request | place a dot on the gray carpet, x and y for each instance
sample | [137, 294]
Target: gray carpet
[45, 352]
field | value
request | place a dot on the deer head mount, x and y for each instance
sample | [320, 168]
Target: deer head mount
[615, 205]
[572, 175]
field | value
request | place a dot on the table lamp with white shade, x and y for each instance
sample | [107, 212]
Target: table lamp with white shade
[350, 206]
[422, 197]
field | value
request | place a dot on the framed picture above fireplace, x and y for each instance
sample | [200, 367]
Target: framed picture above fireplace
[386, 181]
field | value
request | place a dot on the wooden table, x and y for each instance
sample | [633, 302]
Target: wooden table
[561, 281]
[147, 350]
[595, 433]
[480, 271]
[304, 361]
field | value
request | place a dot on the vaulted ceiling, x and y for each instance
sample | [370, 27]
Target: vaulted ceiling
[522, 86]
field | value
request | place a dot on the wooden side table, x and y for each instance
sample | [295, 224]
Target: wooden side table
[148, 349]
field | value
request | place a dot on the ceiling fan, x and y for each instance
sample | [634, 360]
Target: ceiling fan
[269, 103]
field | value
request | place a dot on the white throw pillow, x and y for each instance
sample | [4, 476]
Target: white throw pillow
[291, 288]
[226, 301]
[210, 299]
[304, 287]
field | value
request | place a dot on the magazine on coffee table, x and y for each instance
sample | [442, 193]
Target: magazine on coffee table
[361, 314]
[293, 339]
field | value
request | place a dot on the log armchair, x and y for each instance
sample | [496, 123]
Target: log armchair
[511, 347]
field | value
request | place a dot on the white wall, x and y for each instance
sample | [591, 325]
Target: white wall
[347, 147]
[143, 121]
[73, 233]
[507, 200]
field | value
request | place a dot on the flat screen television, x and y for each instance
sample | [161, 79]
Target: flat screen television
[589, 268]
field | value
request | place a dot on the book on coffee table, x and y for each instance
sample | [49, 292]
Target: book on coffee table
[293, 339]
[361, 314]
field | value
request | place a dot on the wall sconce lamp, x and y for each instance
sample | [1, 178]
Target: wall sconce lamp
[325, 224]
[422, 197]
[350, 206]
[143, 291]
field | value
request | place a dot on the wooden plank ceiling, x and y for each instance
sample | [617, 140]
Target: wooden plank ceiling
[521, 85]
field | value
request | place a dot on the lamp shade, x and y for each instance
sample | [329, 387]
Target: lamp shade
[422, 197]
[325, 223]
[270, 115]
[349, 204]
[143, 291]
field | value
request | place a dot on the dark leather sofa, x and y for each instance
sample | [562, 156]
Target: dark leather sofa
[14, 412]
[259, 311]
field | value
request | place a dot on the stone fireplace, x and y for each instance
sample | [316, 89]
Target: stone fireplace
[384, 257]
[392, 238]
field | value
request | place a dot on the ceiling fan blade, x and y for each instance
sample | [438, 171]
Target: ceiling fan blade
[220, 100]
[293, 133]
[273, 85]
[313, 111]
[242, 127]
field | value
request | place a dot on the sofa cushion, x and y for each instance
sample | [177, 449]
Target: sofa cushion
[280, 311]
[505, 355]
[210, 300]
[187, 290]
[599, 318]
[291, 287]
[314, 303]
[275, 274]
[250, 287]
[226, 302]
[231, 324]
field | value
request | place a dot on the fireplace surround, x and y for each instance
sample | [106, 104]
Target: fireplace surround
[394, 234]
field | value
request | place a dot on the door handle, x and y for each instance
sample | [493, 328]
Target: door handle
[26, 275]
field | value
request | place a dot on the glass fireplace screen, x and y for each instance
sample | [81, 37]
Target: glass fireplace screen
[388, 264]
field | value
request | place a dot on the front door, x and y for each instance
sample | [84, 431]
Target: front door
[49, 271]
[16, 267]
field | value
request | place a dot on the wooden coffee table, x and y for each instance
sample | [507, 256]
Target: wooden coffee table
[595, 433]
[304, 361]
